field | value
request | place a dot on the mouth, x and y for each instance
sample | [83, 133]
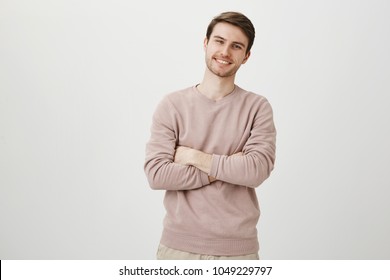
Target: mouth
[222, 61]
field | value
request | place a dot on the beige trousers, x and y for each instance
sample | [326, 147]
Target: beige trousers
[166, 253]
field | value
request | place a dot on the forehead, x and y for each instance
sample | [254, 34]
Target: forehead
[229, 32]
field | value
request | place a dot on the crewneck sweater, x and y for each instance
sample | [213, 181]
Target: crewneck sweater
[217, 218]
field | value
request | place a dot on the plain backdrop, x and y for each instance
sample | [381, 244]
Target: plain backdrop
[79, 81]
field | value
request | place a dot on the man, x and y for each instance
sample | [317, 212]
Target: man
[211, 145]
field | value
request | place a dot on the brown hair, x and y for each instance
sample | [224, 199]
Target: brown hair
[236, 19]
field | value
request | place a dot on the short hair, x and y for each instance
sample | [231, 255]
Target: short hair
[236, 19]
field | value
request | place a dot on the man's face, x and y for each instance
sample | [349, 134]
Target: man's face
[226, 49]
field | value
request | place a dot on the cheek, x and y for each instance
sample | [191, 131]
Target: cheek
[209, 53]
[211, 49]
[243, 59]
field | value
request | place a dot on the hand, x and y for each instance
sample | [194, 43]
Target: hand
[212, 179]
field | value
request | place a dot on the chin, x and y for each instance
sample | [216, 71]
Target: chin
[224, 74]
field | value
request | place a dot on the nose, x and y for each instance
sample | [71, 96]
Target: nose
[225, 50]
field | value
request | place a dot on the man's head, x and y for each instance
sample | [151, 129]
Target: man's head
[236, 19]
[227, 44]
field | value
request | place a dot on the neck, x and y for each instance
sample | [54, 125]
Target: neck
[215, 87]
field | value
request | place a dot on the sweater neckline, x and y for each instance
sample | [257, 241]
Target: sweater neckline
[223, 100]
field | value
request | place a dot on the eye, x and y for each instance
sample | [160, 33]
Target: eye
[237, 47]
[219, 41]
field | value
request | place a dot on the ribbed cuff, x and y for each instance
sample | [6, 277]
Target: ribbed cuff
[214, 166]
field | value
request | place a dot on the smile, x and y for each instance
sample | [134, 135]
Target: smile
[222, 61]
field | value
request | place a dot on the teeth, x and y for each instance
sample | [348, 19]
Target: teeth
[222, 61]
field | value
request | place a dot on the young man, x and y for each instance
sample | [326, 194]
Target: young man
[211, 145]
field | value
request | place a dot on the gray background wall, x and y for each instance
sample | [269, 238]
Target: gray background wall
[79, 81]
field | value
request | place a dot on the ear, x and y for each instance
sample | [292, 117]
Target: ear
[205, 42]
[246, 57]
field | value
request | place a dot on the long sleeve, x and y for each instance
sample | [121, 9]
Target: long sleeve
[258, 158]
[161, 171]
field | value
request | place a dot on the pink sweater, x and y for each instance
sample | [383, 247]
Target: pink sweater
[218, 218]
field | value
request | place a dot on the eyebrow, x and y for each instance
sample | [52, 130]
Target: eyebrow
[234, 42]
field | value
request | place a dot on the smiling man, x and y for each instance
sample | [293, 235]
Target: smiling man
[211, 145]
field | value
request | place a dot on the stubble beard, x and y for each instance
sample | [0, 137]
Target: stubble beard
[227, 74]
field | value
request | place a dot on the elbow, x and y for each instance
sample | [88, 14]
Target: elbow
[261, 173]
[259, 178]
[155, 183]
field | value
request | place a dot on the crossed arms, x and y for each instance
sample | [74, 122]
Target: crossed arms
[170, 166]
[199, 159]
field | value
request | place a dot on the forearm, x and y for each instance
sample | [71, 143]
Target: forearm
[195, 158]
[163, 173]
[172, 176]
[204, 162]
[201, 160]
[249, 170]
